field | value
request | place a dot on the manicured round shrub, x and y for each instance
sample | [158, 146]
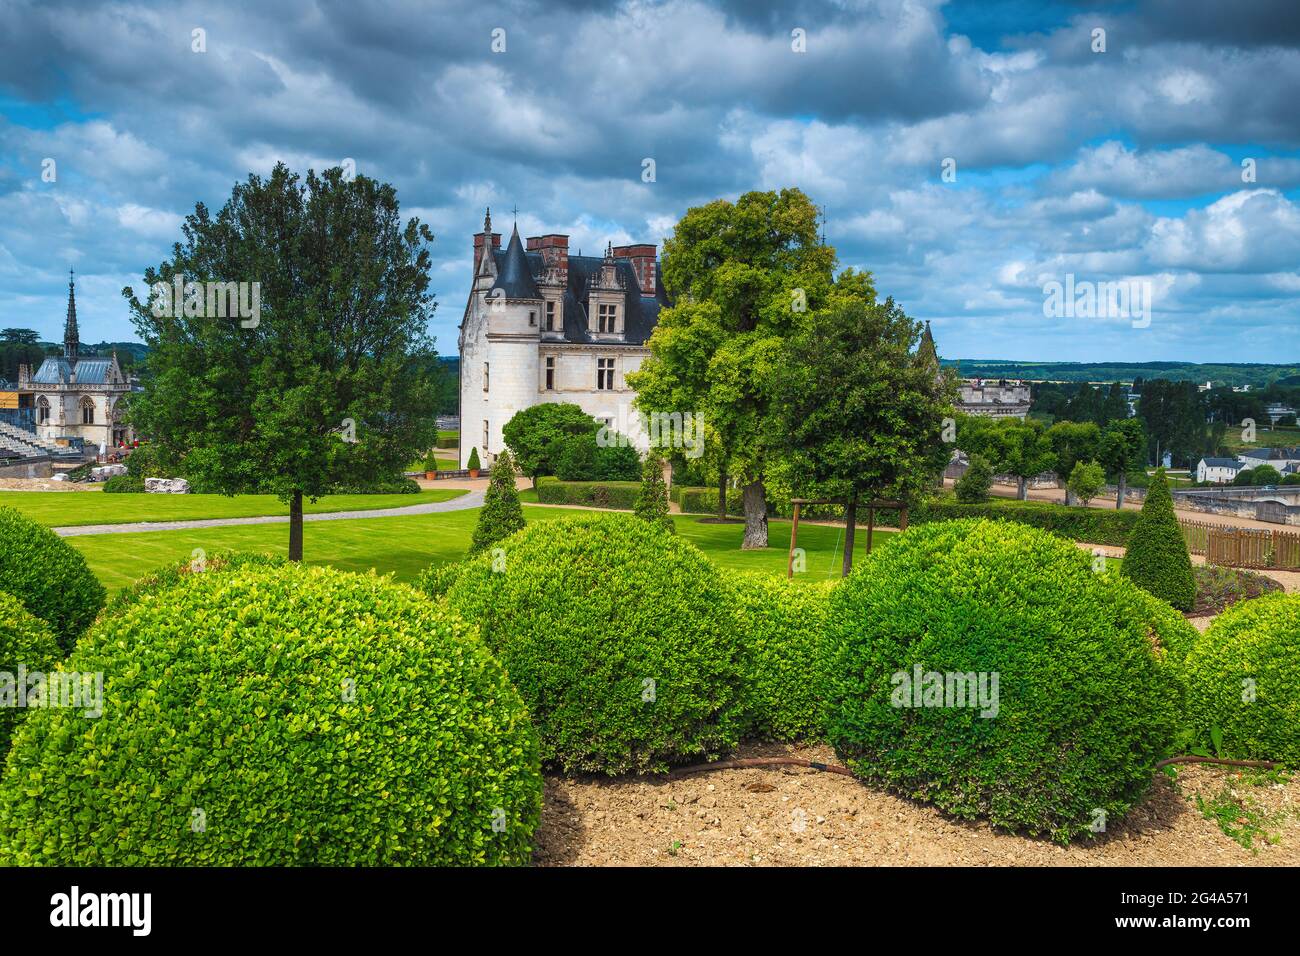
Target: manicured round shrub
[620, 637]
[1243, 677]
[26, 642]
[783, 626]
[987, 668]
[48, 576]
[200, 562]
[1156, 559]
[279, 716]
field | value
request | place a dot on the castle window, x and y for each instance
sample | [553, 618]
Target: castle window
[87, 412]
[42, 411]
[550, 316]
[607, 318]
[485, 376]
[485, 437]
[532, 317]
[550, 374]
[605, 374]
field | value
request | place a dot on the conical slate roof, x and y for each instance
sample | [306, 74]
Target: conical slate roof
[515, 278]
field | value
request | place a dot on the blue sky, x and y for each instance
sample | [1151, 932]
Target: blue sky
[1122, 164]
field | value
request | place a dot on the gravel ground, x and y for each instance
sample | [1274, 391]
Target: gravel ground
[752, 818]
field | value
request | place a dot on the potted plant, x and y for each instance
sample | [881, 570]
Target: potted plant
[430, 466]
[473, 464]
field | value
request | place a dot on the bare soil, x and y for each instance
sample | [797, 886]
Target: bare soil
[794, 816]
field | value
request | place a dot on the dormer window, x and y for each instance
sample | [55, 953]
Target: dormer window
[607, 318]
[550, 316]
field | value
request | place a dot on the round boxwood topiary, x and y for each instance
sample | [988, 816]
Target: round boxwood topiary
[1243, 677]
[620, 637]
[200, 562]
[1086, 700]
[26, 643]
[48, 576]
[783, 625]
[279, 716]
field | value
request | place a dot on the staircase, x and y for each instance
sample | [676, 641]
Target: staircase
[19, 443]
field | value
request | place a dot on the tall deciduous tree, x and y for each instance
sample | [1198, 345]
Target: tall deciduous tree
[744, 276]
[329, 385]
[1122, 448]
[1072, 442]
[858, 415]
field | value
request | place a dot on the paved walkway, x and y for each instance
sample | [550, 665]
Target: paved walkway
[472, 499]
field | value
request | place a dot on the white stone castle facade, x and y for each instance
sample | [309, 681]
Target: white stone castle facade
[544, 326]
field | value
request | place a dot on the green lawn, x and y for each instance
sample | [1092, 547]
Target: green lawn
[407, 545]
[66, 508]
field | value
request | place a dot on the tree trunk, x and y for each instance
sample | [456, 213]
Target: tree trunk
[1069, 496]
[850, 525]
[722, 495]
[295, 527]
[1123, 486]
[755, 497]
[1022, 488]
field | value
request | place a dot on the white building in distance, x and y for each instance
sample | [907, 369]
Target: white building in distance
[544, 326]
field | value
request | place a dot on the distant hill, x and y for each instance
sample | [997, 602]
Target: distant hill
[1253, 374]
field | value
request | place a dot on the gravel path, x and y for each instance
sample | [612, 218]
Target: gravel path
[472, 499]
[791, 816]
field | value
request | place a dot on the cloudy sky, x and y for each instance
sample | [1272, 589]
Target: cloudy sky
[1065, 159]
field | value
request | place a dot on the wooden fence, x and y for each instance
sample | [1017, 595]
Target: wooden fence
[1243, 547]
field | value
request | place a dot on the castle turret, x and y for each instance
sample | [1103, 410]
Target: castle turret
[71, 340]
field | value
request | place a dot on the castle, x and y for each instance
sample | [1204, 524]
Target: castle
[545, 326]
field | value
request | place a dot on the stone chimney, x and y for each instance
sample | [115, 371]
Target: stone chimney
[554, 249]
[643, 264]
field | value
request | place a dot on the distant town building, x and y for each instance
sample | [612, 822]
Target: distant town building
[1279, 458]
[1218, 470]
[1276, 411]
[75, 397]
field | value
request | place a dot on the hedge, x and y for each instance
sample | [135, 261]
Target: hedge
[279, 716]
[621, 638]
[1087, 699]
[28, 643]
[594, 494]
[1093, 525]
[1243, 677]
[783, 625]
[49, 577]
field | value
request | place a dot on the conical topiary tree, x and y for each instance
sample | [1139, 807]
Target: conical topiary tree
[1157, 559]
[502, 515]
[652, 500]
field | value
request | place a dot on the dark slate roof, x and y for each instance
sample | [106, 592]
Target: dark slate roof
[1271, 454]
[514, 272]
[1222, 463]
[90, 371]
[641, 312]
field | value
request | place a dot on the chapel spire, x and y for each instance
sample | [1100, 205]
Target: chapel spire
[71, 341]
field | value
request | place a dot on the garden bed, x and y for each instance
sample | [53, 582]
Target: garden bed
[1218, 588]
[747, 818]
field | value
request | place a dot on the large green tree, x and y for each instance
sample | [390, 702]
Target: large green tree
[858, 415]
[1072, 442]
[1010, 445]
[330, 385]
[743, 276]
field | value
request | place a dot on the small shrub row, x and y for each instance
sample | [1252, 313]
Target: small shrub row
[594, 494]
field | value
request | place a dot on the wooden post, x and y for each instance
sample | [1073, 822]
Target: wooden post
[794, 533]
[902, 518]
[871, 524]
